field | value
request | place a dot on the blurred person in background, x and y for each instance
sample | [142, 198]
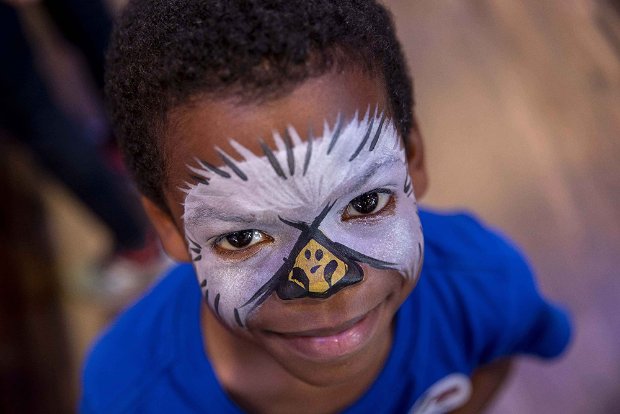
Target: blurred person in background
[29, 114]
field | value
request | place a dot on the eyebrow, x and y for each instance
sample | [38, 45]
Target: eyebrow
[211, 213]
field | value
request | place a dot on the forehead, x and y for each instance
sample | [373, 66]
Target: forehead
[299, 177]
[196, 130]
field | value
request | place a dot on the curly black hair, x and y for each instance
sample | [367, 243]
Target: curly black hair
[164, 52]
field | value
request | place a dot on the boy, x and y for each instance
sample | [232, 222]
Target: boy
[275, 145]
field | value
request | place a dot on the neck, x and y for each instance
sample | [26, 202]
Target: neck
[256, 382]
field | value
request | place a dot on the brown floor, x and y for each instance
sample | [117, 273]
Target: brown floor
[519, 103]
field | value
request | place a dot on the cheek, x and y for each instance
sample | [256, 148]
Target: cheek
[227, 287]
[389, 284]
[230, 287]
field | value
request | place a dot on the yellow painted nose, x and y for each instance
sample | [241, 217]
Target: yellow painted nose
[316, 269]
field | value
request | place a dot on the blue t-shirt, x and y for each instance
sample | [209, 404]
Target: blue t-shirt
[476, 301]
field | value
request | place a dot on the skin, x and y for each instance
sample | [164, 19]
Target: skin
[256, 366]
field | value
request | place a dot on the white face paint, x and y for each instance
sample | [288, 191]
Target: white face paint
[308, 239]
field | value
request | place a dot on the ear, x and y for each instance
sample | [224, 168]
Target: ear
[415, 159]
[171, 237]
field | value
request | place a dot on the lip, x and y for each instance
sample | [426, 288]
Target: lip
[331, 343]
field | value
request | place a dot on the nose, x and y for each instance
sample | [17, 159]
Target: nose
[318, 272]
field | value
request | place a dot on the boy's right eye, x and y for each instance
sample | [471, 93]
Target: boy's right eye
[241, 240]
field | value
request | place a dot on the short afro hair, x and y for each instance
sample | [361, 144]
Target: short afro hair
[165, 52]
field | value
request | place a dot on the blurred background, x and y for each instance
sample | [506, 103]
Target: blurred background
[519, 105]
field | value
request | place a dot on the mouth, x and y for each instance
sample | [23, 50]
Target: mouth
[330, 343]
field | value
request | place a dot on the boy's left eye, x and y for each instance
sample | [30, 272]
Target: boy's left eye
[367, 204]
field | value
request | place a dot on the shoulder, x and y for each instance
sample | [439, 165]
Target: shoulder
[461, 240]
[488, 292]
[138, 345]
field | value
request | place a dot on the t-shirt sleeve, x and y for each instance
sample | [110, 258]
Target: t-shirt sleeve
[539, 327]
[500, 308]
[526, 322]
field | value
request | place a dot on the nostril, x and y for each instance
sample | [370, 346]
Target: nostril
[319, 254]
[307, 254]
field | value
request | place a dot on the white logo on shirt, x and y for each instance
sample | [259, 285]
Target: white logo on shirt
[445, 395]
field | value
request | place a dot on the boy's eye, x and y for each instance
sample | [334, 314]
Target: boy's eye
[367, 204]
[240, 240]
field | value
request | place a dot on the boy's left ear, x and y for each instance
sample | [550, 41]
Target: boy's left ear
[415, 159]
[171, 237]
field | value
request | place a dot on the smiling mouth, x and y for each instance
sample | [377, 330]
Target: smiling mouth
[324, 332]
[330, 343]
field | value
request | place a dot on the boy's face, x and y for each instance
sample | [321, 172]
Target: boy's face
[303, 228]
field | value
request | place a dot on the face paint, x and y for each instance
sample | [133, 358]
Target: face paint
[292, 213]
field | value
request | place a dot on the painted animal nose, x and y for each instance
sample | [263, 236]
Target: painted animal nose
[317, 272]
